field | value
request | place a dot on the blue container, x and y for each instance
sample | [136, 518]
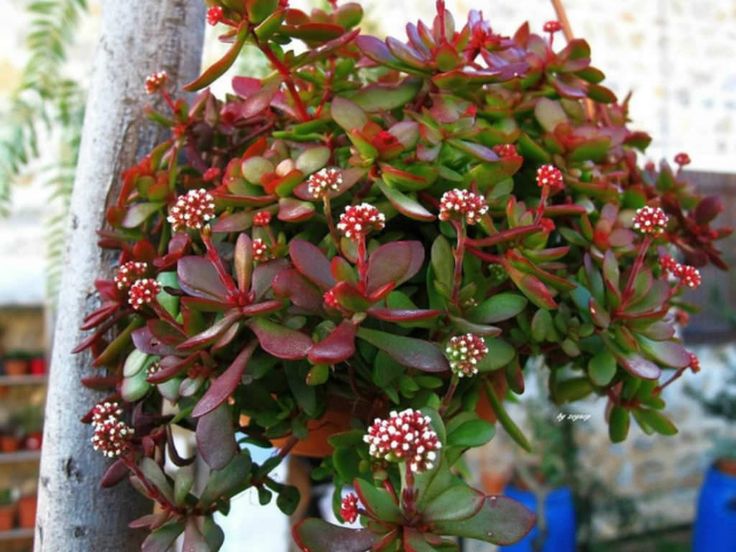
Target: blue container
[715, 525]
[560, 518]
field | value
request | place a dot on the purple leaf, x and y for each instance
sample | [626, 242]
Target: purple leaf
[216, 438]
[336, 347]
[639, 366]
[312, 263]
[243, 261]
[316, 535]
[403, 315]
[293, 210]
[225, 384]
[264, 274]
[211, 334]
[171, 366]
[145, 342]
[409, 351]
[291, 284]
[198, 277]
[280, 341]
[394, 262]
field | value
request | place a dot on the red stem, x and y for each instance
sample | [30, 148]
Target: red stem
[483, 256]
[636, 268]
[505, 235]
[288, 77]
[213, 256]
[331, 223]
[362, 264]
[458, 254]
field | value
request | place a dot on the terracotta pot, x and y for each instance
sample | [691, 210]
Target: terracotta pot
[494, 481]
[27, 512]
[483, 408]
[316, 444]
[33, 441]
[7, 517]
[9, 443]
[15, 366]
[726, 465]
[38, 366]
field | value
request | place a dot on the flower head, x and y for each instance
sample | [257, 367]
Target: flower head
[104, 410]
[153, 368]
[156, 82]
[128, 273]
[464, 353]
[324, 181]
[462, 204]
[192, 210]
[553, 26]
[211, 174]
[682, 159]
[405, 436]
[547, 224]
[111, 437]
[262, 218]
[504, 151]
[650, 220]
[694, 364]
[551, 177]
[359, 220]
[349, 508]
[688, 275]
[330, 299]
[214, 15]
[261, 251]
[143, 292]
[668, 264]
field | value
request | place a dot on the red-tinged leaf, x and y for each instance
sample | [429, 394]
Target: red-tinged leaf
[217, 69]
[533, 288]
[570, 87]
[500, 521]
[243, 261]
[313, 32]
[377, 51]
[347, 114]
[235, 222]
[479, 151]
[337, 347]
[311, 262]
[245, 87]
[461, 78]
[293, 210]
[202, 305]
[456, 503]
[145, 342]
[638, 366]
[316, 535]
[280, 341]
[408, 181]
[100, 315]
[291, 284]
[260, 101]
[394, 262]
[198, 277]
[165, 332]
[258, 309]
[669, 353]
[379, 294]
[171, 366]
[404, 204]
[211, 334]
[139, 213]
[178, 245]
[223, 199]
[408, 55]
[100, 383]
[150, 521]
[163, 538]
[350, 298]
[409, 351]
[258, 10]
[264, 274]
[114, 474]
[216, 438]
[403, 315]
[342, 270]
[378, 502]
[222, 387]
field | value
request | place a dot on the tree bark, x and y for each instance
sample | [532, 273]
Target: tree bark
[138, 37]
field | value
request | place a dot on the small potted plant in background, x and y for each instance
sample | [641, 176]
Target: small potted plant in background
[27, 504]
[715, 524]
[8, 509]
[16, 363]
[30, 421]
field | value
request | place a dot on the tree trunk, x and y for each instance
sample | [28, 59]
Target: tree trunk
[138, 37]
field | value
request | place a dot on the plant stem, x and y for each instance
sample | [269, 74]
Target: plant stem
[214, 257]
[458, 254]
[505, 235]
[327, 207]
[362, 263]
[450, 393]
[635, 269]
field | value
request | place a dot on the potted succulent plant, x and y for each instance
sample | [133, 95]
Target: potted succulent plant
[30, 421]
[354, 257]
[16, 363]
[7, 510]
[27, 511]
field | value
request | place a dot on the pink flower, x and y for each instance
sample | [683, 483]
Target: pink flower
[214, 15]
[458, 204]
[324, 181]
[694, 363]
[143, 292]
[682, 159]
[504, 151]
[211, 174]
[405, 436]
[262, 218]
[547, 224]
[129, 272]
[104, 410]
[464, 353]
[261, 251]
[551, 177]
[668, 264]
[192, 210]
[349, 508]
[359, 220]
[156, 82]
[650, 220]
[552, 26]
[688, 275]
[111, 437]
[331, 299]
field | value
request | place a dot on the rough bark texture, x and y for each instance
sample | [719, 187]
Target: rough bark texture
[138, 38]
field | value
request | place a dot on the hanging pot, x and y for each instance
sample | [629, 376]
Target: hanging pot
[715, 524]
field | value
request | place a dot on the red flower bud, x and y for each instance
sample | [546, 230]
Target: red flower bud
[458, 204]
[156, 82]
[349, 508]
[551, 177]
[214, 15]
